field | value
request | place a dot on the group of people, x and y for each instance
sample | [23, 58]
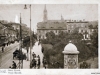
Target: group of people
[35, 61]
[19, 54]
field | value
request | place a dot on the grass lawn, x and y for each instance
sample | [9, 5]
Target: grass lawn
[47, 46]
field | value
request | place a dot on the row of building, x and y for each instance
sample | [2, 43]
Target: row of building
[11, 31]
[69, 26]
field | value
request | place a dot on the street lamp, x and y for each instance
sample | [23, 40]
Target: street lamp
[20, 62]
[30, 35]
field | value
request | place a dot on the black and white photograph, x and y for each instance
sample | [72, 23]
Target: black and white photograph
[49, 36]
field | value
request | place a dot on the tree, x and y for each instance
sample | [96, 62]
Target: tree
[50, 37]
[61, 34]
[94, 45]
[60, 41]
[94, 38]
[91, 26]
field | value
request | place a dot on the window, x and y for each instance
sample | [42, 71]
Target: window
[59, 31]
[81, 25]
[56, 31]
[39, 36]
[75, 25]
[59, 27]
[43, 27]
[74, 20]
[71, 26]
[39, 31]
[92, 30]
[86, 31]
[51, 27]
[69, 31]
[43, 37]
[81, 30]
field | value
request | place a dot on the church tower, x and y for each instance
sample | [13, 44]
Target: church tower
[45, 14]
[62, 19]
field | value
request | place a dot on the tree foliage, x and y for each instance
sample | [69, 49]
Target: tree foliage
[26, 40]
[59, 41]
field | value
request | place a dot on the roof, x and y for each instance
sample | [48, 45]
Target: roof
[94, 23]
[52, 25]
[8, 26]
[70, 49]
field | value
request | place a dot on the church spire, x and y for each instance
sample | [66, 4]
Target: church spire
[45, 14]
[62, 18]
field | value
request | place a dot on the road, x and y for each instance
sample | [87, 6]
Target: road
[6, 58]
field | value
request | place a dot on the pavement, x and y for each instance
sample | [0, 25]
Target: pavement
[37, 50]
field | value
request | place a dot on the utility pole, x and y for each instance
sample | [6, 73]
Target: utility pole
[21, 58]
[30, 35]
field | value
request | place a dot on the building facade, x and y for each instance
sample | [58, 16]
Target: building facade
[11, 31]
[56, 26]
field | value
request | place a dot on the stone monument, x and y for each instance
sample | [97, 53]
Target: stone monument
[70, 56]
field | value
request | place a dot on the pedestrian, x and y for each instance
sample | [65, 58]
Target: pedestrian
[39, 42]
[38, 61]
[57, 63]
[42, 49]
[24, 56]
[34, 55]
[85, 64]
[14, 66]
[2, 48]
[81, 65]
[36, 58]
[89, 65]
[33, 63]
[45, 63]
[4, 44]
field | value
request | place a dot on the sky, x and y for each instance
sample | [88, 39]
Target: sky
[8, 12]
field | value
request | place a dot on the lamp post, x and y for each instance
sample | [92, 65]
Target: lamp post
[20, 62]
[4, 31]
[30, 36]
